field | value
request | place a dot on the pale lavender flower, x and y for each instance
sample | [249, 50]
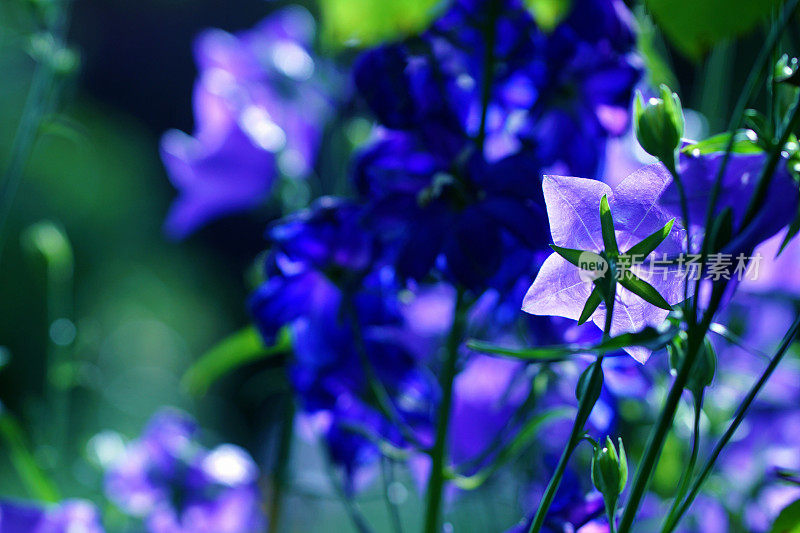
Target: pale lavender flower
[573, 208]
[70, 516]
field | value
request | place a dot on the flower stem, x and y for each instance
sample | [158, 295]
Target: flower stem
[439, 451]
[585, 406]
[683, 485]
[740, 414]
[576, 436]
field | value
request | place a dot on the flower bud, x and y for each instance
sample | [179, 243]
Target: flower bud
[659, 124]
[705, 364]
[610, 472]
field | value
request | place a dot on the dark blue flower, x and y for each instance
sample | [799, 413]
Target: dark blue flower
[67, 517]
[327, 285]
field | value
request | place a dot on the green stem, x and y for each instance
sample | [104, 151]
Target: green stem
[686, 477]
[740, 415]
[39, 103]
[281, 465]
[488, 71]
[585, 406]
[387, 476]
[655, 442]
[438, 454]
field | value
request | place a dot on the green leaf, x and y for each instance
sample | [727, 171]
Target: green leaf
[594, 301]
[694, 26]
[791, 233]
[643, 290]
[586, 386]
[243, 347]
[651, 242]
[652, 338]
[744, 142]
[788, 520]
[607, 225]
[549, 13]
[369, 22]
[39, 486]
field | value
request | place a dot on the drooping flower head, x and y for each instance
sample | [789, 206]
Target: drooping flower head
[259, 113]
[176, 486]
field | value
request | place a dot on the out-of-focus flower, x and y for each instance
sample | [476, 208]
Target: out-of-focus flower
[325, 283]
[699, 172]
[572, 510]
[67, 517]
[573, 206]
[175, 485]
[259, 111]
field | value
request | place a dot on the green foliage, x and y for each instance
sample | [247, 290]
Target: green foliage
[549, 13]
[243, 347]
[694, 26]
[369, 22]
[788, 520]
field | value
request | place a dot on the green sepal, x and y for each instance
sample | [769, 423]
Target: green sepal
[644, 290]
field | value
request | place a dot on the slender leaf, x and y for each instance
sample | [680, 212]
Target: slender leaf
[653, 338]
[651, 242]
[745, 142]
[35, 480]
[607, 226]
[594, 301]
[241, 348]
[644, 290]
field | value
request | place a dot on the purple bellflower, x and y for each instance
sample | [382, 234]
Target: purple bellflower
[67, 517]
[176, 486]
[573, 207]
[259, 113]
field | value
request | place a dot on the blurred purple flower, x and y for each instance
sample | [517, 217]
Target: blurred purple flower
[259, 112]
[573, 206]
[699, 172]
[67, 517]
[177, 486]
[327, 285]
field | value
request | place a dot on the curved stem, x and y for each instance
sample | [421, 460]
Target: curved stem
[439, 451]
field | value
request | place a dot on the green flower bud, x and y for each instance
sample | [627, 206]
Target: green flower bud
[610, 472]
[705, 365]
[787, 70]
[659, 124]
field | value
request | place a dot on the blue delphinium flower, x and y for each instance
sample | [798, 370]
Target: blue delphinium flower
[177, 486]
[326, 284]
[259, 112]
[452, 185]
[67, 517]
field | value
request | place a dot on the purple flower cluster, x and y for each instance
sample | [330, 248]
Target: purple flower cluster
[449, 196]
[259, 112]
[176, 486]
